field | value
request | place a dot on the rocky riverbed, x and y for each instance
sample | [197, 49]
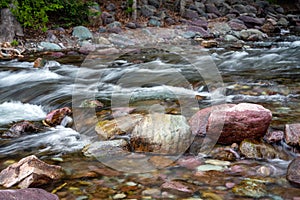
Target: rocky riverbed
[173, 138]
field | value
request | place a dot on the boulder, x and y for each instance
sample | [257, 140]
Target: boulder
[292, 134]
[161, 133]
[50, 46]
[20, 128]
[27, 194]
[251, 22]
[148, 10]
[233, 123]
[218, 28]
[56, 117]
[199, 30]
[29, 172]
[274, 136]
[293, 172]
[237, 25]
[9, 27]
[82, 33]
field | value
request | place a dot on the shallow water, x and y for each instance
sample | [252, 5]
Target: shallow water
[149, 80]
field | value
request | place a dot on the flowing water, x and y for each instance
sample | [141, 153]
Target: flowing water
[165, 80]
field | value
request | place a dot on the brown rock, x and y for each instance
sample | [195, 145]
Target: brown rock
[209, 43]
[19, 129]
[27, 194]
[29, 172]
[39, 63]
[292, 134]
[293, 172]
[274, 136]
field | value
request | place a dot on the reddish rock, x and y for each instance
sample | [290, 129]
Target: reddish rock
[27, 194]
[29, 172]
[243, 121]
[292, 134]
[19, 129]
[274, 136]
[177, 188]
[231, 123]
[250, 22]
[293, 172]
[55, 117]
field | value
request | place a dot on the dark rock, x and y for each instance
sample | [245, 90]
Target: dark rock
[237, 25]
[9, 27]
[131, 25]
[211, 8]
[161, 133]
[21, 128]
[250, 22]
[239, 122]
[256, 150]
[191, 14]
[29, 172]
[292, 134]
[27, 194]
[199, 30]
[274, 136]
[241, 8]
[111, 7]
[177, 188]
[148, 10]
[169, 21]
[199, 22]
[55, 117]
[225, 9]
[82, 33]
[293, 172]
[212, 16]
[279, 9]
[154, 3]
[107, 18]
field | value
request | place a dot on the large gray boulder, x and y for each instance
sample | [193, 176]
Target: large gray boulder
[9, 27]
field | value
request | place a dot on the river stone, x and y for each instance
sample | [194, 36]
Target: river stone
[237, 25]
[255, 150]
[82, 33]
[161, 133]
[20, 128]
[177, 188]
[292, 134]
[250, 188]
[148, 10]
[218, 28]
[293, 172]
[106, 149]
[29, 172]
[250, 22]
[27, 194]
[55, 117]
[211, 8]
[274, 136]
[249, 33]
[121, 125]
[50, 46]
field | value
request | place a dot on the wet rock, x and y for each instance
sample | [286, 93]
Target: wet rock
[209, 43]
[239, 122]
[250, 188]
[161, 162]
[255, 150]
[39, 63]
[50, 46]
[189, 162]
[29, 172]
[250, 33]
[82, 33]
[208, 167]
[161, 133]
[292, 134]
[118, 126]
[227, 153]
[153, 192]
[106, 149]
[293, 172]
[27, 194]
[9, 27]
[55, 117]
[21, 128]
[274, 136]
[177, 188]
[91, 104]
